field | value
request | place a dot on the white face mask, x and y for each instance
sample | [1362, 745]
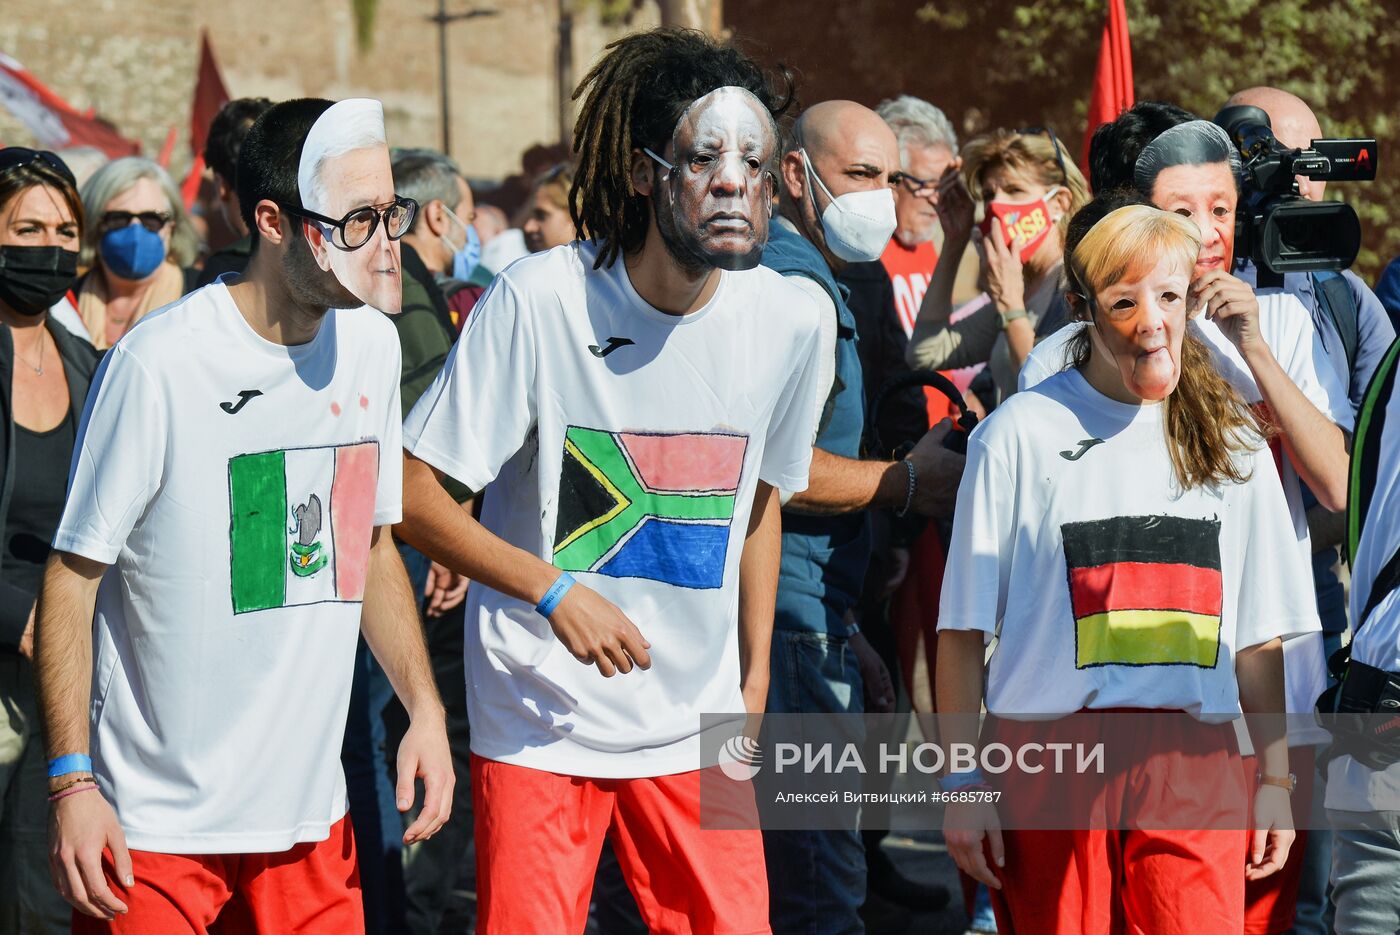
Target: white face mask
[858, 225]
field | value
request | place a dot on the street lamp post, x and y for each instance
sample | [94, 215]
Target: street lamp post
[442, 18]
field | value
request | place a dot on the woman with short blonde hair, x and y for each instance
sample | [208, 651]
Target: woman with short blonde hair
[1108, 532]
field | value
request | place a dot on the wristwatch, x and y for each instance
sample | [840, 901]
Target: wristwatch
[1289, 782]
[1006, 318]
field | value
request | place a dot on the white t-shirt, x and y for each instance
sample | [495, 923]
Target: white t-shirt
[1289, 332]
[1352, 785]
[232, 484]
[635, 471]
[1107, 585]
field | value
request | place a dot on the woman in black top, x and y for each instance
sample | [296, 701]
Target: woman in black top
[44, 377]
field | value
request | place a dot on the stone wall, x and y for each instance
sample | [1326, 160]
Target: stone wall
[135, 60]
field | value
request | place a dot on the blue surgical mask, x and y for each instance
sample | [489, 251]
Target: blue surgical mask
[466, 257]
[132, 252]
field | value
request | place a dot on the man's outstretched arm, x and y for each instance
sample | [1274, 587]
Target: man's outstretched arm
[589, 626]
[846, 485]
[81, 823]
[389, 622]
[758, 595]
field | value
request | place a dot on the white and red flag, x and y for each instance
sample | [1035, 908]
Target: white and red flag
[53, 121]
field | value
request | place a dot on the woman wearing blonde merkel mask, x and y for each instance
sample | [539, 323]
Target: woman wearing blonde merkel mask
[1125, 498]
[138, 242]
[1029, 186]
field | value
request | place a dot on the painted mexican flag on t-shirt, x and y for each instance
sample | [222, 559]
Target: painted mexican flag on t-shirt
[300, 521]
[648, 505]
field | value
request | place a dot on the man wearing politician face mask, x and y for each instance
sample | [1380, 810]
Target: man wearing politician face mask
[713, 206]
[836, 208]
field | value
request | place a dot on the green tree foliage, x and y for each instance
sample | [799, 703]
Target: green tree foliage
[364, 12]
[1341, 56]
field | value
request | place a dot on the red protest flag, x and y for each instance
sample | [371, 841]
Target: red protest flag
[53, 121]
[210, 96]
[167, 150]
[1113, 80]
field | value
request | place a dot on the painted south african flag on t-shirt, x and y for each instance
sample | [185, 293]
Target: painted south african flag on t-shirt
[1146, 590]
[648, 505]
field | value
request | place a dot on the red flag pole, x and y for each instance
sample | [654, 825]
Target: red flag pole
[1113, 79]
[210, 96]
[167, 149]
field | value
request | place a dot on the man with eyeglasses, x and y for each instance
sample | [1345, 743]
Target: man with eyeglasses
[222, 547]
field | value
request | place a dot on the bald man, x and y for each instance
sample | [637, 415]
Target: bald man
[836, 207]
[1293, 123]
[1355, 332]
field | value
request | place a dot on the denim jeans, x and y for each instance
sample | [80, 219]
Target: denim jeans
[816, 879]
[1366, 873]
[369, 780]
[1315, 910]
[369, 786]
[431, 868]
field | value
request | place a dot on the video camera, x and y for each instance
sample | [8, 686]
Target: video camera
[1280, 230]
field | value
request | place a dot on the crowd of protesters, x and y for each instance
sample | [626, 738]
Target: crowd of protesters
[537, 528]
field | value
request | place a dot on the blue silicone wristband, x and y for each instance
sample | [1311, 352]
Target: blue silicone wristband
[955, 781]
[70, 763]
[555, 594]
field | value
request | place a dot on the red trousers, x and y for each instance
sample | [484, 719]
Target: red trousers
[314, 889]
[538, 836]
[1154, 879]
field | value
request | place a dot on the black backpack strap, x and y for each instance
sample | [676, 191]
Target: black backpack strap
[1334, 294]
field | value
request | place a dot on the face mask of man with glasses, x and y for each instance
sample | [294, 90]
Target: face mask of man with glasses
[353, 218]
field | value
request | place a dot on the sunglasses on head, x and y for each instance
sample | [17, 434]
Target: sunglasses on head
[13, 157]
[357, 227]
[1054, 144]
[153, 221]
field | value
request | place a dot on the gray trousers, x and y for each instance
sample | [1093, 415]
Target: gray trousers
[1366, 872]
[29, 903]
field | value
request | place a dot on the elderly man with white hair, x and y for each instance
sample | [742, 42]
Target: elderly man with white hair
[928, 147]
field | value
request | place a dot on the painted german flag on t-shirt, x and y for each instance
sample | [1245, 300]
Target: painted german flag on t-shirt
[1145, 590]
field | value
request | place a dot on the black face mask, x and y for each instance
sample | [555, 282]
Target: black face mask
[34, 278]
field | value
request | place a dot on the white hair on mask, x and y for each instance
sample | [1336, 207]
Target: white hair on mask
[357, 123]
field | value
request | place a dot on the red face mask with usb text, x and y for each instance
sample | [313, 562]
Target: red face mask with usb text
[1025, 225]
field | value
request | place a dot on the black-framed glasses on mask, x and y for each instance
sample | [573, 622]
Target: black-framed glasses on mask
[1054, 144]
[153, 221]
[357, 228]
[12, 157]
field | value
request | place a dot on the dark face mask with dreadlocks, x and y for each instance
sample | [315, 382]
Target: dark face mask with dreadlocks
[714, 202]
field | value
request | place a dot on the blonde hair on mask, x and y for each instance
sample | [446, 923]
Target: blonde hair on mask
[1128, 243]
[1208, 426]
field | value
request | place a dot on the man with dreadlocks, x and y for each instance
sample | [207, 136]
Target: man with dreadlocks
[630, 403]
